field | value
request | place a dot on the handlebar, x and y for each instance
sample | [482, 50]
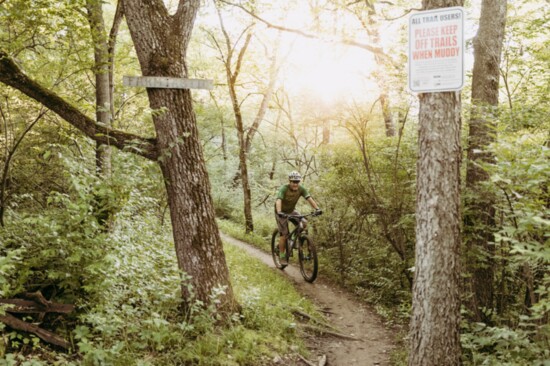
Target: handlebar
[299, 217]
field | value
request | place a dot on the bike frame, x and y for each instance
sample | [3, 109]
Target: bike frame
[307, 255]
[298, 229]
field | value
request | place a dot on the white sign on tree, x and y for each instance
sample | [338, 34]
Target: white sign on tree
[436, 50]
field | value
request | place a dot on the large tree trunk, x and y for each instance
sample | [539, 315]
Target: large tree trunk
[161, 42]
[435, 338]
[436, 297]
[479, 222]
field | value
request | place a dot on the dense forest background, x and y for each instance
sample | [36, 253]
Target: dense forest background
[314, 86]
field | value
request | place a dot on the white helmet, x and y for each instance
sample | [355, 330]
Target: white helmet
[294, 176]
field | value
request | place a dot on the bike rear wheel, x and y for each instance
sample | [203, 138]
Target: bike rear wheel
[307, 256]
[275, 250]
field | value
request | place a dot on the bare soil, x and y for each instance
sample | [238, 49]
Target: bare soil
[369, 343]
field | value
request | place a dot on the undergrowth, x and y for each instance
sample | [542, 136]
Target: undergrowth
[125, 285]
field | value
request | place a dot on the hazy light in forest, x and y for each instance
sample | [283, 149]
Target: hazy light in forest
[328, 72]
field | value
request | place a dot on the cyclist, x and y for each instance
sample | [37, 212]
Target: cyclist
[287, 197]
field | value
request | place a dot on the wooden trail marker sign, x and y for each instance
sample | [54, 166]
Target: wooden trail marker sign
[166, 82]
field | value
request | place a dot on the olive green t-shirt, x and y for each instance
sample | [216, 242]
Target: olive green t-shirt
[289, 198]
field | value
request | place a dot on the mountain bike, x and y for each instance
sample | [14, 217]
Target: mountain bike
[297, 239]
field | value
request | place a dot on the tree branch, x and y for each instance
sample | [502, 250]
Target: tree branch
[12, 75]
[45, 335]
[348, 42]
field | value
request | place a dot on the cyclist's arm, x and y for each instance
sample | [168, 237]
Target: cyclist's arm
[278, 205]
[312, 202]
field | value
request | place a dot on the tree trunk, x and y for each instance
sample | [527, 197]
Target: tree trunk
[232, 76]
[479, 223]
[161, 42]
[381, 80]
[436, 297]
[102, 82]
[435, 320]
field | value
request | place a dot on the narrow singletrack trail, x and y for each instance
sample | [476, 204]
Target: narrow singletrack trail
[348, 316]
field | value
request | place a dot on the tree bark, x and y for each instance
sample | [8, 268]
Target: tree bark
[435, 320]
[480, 221]
[161, 42]
[436, 297]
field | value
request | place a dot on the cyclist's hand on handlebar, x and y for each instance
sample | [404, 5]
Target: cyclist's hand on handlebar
[282, 215]
[318, 212]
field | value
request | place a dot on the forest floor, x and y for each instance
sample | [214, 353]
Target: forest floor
[369, 342]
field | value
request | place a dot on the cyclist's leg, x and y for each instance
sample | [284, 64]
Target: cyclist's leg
[304, 222]
[282, 226]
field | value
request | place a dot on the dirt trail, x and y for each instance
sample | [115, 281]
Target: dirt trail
[347, 315]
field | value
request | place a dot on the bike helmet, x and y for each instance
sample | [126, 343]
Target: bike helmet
[294, 176]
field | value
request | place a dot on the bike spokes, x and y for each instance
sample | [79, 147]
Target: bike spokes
[307, 256]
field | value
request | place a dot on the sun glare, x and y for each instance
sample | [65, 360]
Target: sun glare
[328, 72]
[325, 71]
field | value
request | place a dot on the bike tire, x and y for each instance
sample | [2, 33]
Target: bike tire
[307, 256]
[275, 250]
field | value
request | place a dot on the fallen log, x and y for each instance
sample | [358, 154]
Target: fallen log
[43, 334]
[37, 297]
[20, 306]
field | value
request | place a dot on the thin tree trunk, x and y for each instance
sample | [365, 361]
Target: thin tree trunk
[372, 30]
[243, 166]
[232, 77]
[480, 221]
[102, 81]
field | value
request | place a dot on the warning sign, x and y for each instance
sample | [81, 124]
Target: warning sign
[436, 50]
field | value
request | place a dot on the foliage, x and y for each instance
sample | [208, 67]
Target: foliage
[522, 308]
[126, 284]
[366, 236]
[61, 245]
[260, 238]
[123, 276]
[518, 330]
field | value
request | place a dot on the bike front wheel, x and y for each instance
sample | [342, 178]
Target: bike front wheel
[275, 250]
[307, 256]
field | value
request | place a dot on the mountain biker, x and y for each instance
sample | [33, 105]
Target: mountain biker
[287, 197]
